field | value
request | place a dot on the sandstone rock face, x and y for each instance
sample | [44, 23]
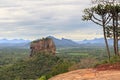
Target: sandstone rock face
[45, 45]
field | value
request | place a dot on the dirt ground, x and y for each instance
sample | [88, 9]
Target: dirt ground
[101, 72]
[89, 74]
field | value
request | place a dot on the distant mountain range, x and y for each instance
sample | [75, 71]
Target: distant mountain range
[14, 41]
[17, 43]
[60, 43]
[64, 42]
[96, 41]
[21, 43]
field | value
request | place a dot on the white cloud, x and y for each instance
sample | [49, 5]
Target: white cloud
[38, 18]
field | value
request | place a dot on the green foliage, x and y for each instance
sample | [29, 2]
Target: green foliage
[35, 41]
[35, 67]
[12, 55]
[113, 59]
[61, 67]
[42, 78]
[84, 63]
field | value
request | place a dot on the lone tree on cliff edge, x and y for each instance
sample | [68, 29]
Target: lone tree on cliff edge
[103, 14]
[113, 29]
[98, 15]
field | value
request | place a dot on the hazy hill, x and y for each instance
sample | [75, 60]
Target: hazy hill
[21, 43]
[60, 43]
[17, 43]
[64, 42]
[96, 41]
[14, 41]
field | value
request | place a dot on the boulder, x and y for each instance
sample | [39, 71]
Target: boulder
[45, 45]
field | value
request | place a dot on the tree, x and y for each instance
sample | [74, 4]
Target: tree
[107, 15]
[113, 8]
[105, 1]
[98, 14]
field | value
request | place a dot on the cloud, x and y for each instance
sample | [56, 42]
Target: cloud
[32, 19]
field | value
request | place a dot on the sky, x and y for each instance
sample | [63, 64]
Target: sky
[34, 19]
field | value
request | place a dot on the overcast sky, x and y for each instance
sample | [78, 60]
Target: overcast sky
[33, 19]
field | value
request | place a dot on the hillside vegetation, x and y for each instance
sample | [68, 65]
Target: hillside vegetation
[35, 67]
[23, 67]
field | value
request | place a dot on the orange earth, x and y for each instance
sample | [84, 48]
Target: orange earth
[102, 72]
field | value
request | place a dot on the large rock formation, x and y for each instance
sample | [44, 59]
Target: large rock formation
[45, 45]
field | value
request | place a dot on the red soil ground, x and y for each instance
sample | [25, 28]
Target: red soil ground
[101, 72]
[115, 66]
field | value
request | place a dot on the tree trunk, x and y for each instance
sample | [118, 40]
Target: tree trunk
[105, 38]
[117, 48]
[115, 33]
[106, 42]
[114, 36]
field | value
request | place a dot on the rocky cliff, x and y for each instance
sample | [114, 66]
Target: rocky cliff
[45, 45]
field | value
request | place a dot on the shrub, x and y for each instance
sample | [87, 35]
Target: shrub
[61, 67]
[113, 59]
[42, 78]
[34, 67]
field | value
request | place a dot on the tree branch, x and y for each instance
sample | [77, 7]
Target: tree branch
[96, 18]
[96, 22]
[107, 18]
[107, 21]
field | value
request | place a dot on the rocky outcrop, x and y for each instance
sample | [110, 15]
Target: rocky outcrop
[45, 45]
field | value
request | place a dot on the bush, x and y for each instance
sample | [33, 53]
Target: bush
[113, 59]
[35, 67]
[42, 78]
[84, 63]
[61, 67]
[32, 68]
